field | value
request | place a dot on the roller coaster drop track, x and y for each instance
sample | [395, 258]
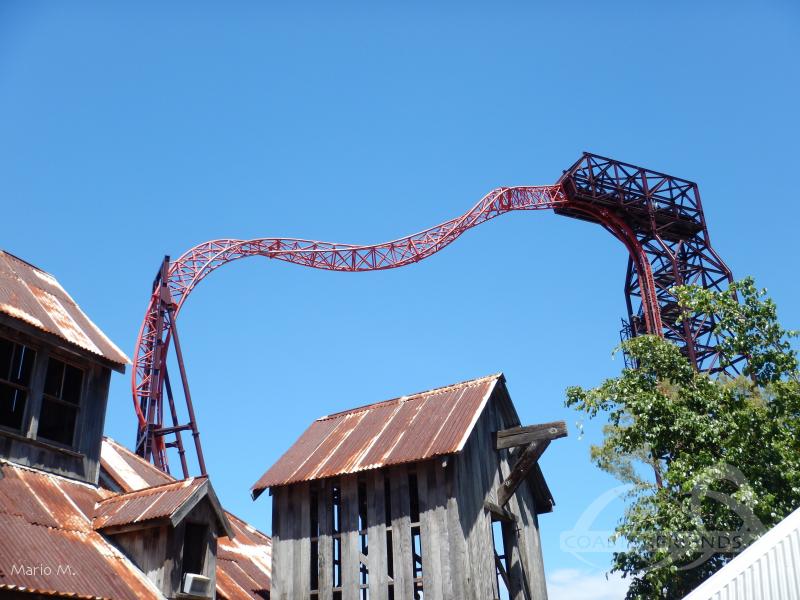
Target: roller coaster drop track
[659, 219]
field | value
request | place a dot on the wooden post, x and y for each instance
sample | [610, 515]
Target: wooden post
[431, 531]
[280, 543]
[302, 543]
[401, 533]
[376, 537]
[325, 541]
[350, 547]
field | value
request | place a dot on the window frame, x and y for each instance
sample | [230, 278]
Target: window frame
[44, 396]
[24, 427]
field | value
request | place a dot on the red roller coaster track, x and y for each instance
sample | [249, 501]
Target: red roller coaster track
[659, 218]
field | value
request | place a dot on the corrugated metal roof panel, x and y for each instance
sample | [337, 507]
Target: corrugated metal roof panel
[145, 505]
[768, 569]
[35, 297]
[130, 471]
[46, 520]
[44, 524]
[406, 429]
[244, 563]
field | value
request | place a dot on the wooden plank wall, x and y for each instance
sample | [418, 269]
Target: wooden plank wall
[148, 549]
[456, 530]
[325, 544]
[350, 538]
[377, 558]
[281, 587]
[475, 479]
[479, 472]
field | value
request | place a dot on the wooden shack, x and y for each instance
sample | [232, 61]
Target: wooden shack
[434, 495]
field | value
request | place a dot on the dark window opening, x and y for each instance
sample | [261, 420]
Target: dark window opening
[16, 366]
[501, 561]
[194, 548]
[62, 395]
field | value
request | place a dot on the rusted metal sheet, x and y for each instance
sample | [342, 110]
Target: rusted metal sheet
[145, 505]
[35, 297]
[244, 562]
[406, 429]
[130, 471]
[46, 523]
[48, 545]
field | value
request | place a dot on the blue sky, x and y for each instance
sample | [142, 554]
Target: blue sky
[133, 130]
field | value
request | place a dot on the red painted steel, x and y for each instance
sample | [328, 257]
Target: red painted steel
[657, 217]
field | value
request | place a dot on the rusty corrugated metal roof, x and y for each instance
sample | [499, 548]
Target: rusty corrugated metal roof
[31, 295]
[148, 504]
[45, 520]
[244, 562]
[130, 471]
[406, 429]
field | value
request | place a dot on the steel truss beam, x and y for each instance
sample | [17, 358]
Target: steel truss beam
[657, 217]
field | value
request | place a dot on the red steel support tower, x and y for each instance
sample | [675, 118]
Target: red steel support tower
[659, 219]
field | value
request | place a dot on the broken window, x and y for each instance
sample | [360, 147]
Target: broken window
[16, 366]
[194, 548]
[62, 395]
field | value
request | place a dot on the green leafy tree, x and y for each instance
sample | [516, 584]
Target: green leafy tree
[704, 455]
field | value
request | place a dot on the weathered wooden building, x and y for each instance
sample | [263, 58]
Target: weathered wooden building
[81, 516]
[434, 495]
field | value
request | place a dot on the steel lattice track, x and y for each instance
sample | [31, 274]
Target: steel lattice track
[659, 218]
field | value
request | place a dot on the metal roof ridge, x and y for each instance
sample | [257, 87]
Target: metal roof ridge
[25, 262]
[110, 440]
[410, 397]
[153, 489]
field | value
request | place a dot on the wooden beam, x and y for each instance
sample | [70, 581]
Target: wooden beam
[527, 459]
[519, 436]
[499, 512]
